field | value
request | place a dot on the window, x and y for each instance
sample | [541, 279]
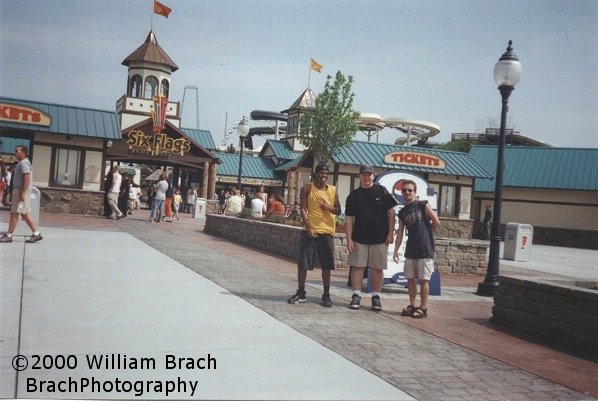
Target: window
[67, 167]
[135, 86]
[164, 88]
[448, 201]
[151, 87]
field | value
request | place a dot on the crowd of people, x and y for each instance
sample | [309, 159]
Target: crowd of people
[163, 199]
[231, 202]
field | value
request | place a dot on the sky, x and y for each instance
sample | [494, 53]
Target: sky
[421, 60]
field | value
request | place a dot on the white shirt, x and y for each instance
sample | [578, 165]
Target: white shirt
[116, 181]
[161, 188]
[258, 207]
[134, 192]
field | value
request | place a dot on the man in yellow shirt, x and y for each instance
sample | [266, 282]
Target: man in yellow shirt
[319, 203]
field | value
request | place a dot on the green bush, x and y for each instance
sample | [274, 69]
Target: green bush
[245, 213]
[274, 218]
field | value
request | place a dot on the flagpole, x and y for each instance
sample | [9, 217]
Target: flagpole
[152, 17]
[309, 74]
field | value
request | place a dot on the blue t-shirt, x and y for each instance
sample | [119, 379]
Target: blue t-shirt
[420, 240]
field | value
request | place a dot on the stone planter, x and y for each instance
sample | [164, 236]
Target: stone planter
[453, 255]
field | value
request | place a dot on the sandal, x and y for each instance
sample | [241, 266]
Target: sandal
[420, 312]
[408, 311]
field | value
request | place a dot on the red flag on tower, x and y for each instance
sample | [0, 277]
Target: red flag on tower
[161, 9]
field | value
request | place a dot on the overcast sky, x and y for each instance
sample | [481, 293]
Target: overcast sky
[422, 60]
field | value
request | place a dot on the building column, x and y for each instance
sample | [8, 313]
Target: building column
[298, 183]
[291, 186]
[212, 181]
[204, 186]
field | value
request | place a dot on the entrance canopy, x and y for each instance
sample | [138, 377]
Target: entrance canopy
[171, 147]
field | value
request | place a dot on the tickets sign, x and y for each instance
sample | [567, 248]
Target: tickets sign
[22, 114]
[415, 159]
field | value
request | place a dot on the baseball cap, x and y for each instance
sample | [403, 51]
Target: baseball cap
[321, 167]
[365, 168]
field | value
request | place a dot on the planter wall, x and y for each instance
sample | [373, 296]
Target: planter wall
[71, 201]
[562, 312]
[453, 255]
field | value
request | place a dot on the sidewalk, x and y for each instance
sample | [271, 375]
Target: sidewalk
[89, 299]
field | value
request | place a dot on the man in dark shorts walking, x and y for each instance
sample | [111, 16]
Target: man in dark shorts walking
[319, 203]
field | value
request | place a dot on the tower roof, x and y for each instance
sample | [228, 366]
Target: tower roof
[307, 100]
[150, 51]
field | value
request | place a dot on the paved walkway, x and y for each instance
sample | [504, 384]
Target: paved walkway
[142, 290]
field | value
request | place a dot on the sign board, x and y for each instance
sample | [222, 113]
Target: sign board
[160, 103]
[393, 182]
[415, 159]
[22, 114]
[157, 144]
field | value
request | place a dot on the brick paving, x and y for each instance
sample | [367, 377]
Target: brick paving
[412, 355]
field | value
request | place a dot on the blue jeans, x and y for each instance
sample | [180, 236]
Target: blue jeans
[157, 204]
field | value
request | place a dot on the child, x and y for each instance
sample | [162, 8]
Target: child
[176, 203]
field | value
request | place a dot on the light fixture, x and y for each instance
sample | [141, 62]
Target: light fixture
[243, 131]
[507, 73]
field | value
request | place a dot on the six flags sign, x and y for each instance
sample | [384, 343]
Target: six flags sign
[414, 159]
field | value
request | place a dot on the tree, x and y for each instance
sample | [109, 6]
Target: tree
[332, 123]
[231, 148]
[459, 145]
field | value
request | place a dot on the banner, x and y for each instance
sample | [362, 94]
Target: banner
[159, 112]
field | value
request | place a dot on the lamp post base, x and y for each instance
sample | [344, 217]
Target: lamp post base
[487, 289]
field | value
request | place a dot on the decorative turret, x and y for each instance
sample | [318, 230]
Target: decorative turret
[149, 75]
[305, 102]
[144, 64]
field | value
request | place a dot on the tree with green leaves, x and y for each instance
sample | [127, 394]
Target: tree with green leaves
[332, 123]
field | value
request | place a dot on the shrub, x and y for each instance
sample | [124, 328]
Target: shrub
[274, 218]
[245, 213]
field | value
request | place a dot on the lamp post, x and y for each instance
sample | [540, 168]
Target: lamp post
[243, 131]
[507, 73]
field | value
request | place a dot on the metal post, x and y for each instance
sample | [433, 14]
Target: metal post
[241, 140]
[489, 286]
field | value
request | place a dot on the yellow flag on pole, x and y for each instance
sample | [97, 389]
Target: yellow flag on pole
[316, 66]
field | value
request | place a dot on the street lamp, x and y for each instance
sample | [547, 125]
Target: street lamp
[243, 131]
[507, 73]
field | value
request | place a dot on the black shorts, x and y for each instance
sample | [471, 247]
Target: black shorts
[318, 251]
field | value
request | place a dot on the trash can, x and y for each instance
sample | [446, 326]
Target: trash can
[34, 204]
[518, 242]
[199, 209]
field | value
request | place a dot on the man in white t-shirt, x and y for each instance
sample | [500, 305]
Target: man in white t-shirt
[114, 192]
[159, 199]
[258, 207]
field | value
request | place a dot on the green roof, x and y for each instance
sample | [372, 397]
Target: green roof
[290, 164]
[201, 137]
[253, 167]
[8, 145]
[539, 167]
[457, 163]
[282, 150]
[68, 120]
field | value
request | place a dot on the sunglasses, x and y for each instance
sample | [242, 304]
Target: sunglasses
[409, 190]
